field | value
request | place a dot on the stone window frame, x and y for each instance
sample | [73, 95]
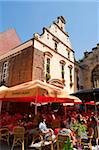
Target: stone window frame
[63, 63]
[70, 75]
[47, 65]
[77, 77]
[48, 76]
[56, 41]
[95, 79]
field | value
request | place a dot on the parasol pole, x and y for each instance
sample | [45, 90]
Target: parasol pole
[36, 101]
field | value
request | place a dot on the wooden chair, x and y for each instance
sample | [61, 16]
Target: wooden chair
[4, 135]
[63, 140]
[18, 133]
[37, 142]
[37, 139]
[87, 143]
[50, 142]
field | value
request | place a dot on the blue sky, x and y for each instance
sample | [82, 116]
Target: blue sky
[28, 17]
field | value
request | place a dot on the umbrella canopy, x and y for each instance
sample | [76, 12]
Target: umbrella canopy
[88, 95]
[76, 100]
[39, 99]
[34, 88]
[36, 91]
[3, 90]
[90, 103]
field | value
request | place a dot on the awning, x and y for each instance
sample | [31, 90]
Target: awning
[39, 99]
[34, 88]
[3, 90]
[37, 92]
[88, 95]
[90, 103]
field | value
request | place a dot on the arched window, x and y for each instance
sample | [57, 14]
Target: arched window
[70, 74]
[95, 77]
[62, 62]
[48, 57]
[48, 69]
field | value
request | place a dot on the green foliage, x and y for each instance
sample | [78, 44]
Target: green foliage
[78, 127]
[68, 145]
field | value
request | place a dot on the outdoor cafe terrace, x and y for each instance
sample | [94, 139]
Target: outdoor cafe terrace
[75, 126]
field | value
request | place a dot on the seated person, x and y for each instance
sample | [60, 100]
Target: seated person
[68, 132]
[49, 134]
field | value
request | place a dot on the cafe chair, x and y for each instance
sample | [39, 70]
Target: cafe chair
[37, 142]
[4, 135]
[63, 142]
[87, 143]
[18, 133]
[50, 141]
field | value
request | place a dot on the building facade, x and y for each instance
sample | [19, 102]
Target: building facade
[48, 57]
[58, 55]
[89, 69]
[8, 40]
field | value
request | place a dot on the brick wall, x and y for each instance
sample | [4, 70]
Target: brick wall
[38, 65]
[26, 66]
[20, 67]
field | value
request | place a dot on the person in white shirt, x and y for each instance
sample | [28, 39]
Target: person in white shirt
[49, 133]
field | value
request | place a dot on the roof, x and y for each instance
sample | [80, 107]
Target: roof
[8, 41]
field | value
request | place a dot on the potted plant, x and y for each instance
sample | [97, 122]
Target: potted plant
[79, 128]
